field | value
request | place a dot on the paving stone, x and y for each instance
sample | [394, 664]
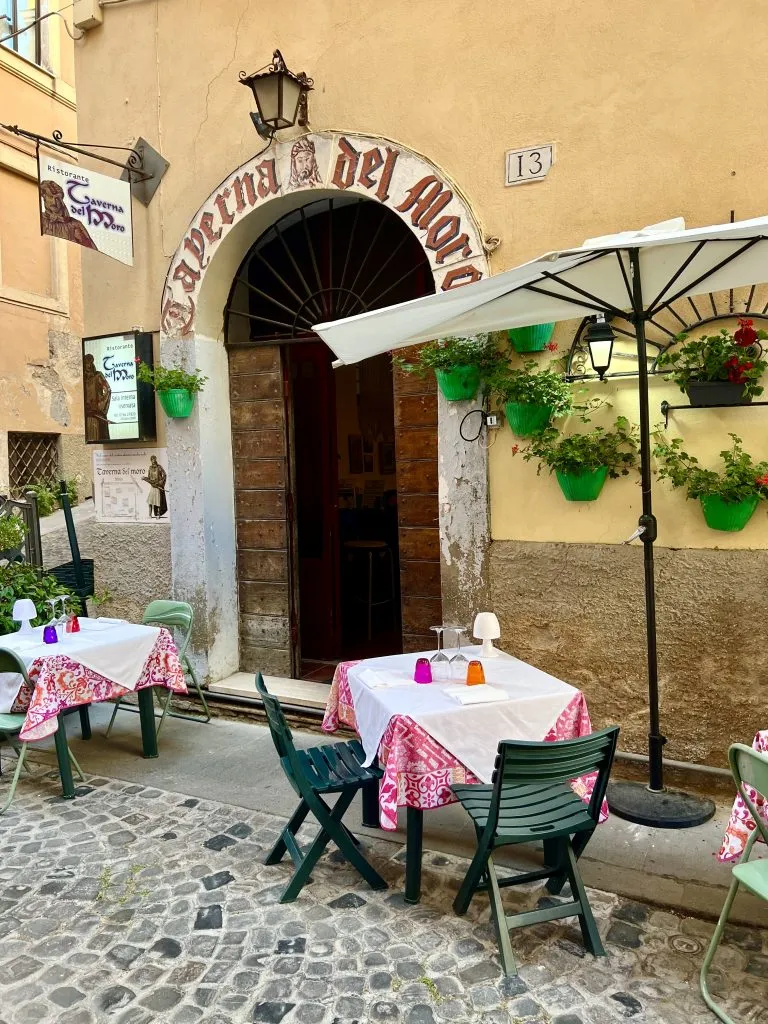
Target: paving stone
[634, 913]
[270, 1013]
[169, 949]
[115, 998]
[162, 999]
[297, 945]
[628, 1006]
[187, 1015]
[66, 996]
[220, 842]
[385, 1011]
[526, 1007]
[217, 880]
[18, 969]
[240, 830]
[567, 1018]
[421, 1013]
[347, 902]
[380, 981]
[124, 954]
[625, 935]
[484, 970]
[208, 918]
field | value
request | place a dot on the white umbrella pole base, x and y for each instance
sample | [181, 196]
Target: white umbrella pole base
[669, 808]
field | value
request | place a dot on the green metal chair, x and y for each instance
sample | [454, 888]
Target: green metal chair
[530, 800]
[315, 774]
[11, 726]
[749, 768]
[171, 615]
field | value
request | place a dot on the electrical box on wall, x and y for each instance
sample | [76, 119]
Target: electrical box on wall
[87, 14]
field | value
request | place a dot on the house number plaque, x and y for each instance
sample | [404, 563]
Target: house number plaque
[524, 165]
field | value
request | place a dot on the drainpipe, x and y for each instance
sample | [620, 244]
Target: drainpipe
[704, 769]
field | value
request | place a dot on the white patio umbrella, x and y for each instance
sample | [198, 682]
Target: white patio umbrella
[635, 275]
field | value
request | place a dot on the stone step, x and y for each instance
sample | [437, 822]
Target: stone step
[299, 693]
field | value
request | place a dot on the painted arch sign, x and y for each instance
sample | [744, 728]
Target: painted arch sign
[409, 185]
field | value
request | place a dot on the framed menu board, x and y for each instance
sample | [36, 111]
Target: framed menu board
[118, 407]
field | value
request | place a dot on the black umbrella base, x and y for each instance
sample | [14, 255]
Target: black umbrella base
[671, 808]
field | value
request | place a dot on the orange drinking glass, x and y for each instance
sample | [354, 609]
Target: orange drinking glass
[475, 673]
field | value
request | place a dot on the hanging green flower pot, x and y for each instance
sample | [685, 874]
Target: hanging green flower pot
[177, 403]
[531, 339]
[727, 515]
[526, 419]
[584, 486]
[460, 383]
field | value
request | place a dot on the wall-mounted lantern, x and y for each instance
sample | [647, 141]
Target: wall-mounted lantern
[600, 339]
[281, 97]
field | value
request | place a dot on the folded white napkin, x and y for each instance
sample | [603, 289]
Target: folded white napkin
[483, 694]
[111, 622]
[378, 680]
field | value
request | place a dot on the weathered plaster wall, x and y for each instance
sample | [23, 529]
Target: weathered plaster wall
[40, 277]
[578, 611]
[132, 563]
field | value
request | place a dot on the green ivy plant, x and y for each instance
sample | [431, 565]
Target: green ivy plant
[740, 479]
[48, 498]
[529, 386]
[18, 580]
[617, 449]
[12, 532]
[450, 352]
[164, 378]
[736, 358]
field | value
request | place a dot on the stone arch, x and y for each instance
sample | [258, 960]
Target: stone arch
[269, 185]
[200, 459]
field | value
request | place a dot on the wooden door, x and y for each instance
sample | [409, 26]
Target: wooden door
[418, 509]
[314, 484]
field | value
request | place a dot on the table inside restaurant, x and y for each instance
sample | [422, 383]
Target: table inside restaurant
[107, 659]
[426, 741]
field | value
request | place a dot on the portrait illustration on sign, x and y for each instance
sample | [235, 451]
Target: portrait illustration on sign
[58, 221]
[156, 499]
[304, 170]
[98, 396]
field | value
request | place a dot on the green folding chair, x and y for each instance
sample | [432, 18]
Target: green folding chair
[315, 774]
[11, 726]
[530, 800]
[749, 768]
[172, 615]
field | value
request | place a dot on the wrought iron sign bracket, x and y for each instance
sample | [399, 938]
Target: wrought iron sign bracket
[133, 166]
[666, 408]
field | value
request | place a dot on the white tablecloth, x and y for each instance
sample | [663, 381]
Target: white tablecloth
[470, 732]
[117, 651]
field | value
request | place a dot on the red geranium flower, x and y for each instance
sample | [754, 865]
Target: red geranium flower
[552, 346]
[762, 480]
[137, 360]
[515, 449]
[746, 335]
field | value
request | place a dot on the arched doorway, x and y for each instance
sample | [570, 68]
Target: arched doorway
[442, 544]
[337, 493]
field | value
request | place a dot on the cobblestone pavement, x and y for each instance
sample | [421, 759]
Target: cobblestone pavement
[134, 905]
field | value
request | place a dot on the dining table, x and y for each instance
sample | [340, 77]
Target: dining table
[429, 737]
[741, 823]
[104, 660]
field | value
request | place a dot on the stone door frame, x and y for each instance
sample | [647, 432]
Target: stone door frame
[200, 450]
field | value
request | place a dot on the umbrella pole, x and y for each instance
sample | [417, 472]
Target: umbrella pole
[651, 805]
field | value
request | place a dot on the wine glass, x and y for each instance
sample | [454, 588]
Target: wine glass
[459, 663]
[440, 663]
[52, 601]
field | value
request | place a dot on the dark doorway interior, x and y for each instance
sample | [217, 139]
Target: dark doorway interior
[330, 259]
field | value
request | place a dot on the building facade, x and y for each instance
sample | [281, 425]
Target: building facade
[308, 504]
[41, 407]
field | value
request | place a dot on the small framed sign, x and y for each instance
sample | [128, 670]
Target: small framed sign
[524, 165]
[118, 407]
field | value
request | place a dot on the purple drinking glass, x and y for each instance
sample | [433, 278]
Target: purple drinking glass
[423, 673]
[50, 636]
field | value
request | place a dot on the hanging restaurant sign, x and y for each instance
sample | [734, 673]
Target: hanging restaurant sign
[118, 406]
[85, 207]
[414, 189]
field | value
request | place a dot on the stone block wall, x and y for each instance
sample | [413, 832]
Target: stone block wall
[578, 612]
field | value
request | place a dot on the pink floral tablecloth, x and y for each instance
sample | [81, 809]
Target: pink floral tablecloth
[60, 683]
[741, 823]
[418, 771]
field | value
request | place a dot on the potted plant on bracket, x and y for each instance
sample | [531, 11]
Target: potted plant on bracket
[582, 462]
[530, 399]
[531, 339]
[459, 364]
[728, 498]
[175, 388]
[718, 369]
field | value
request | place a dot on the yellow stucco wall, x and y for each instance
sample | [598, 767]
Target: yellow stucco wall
[650, 118]
[40, 277]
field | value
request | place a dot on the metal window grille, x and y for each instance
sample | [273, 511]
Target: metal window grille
[32, 459]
